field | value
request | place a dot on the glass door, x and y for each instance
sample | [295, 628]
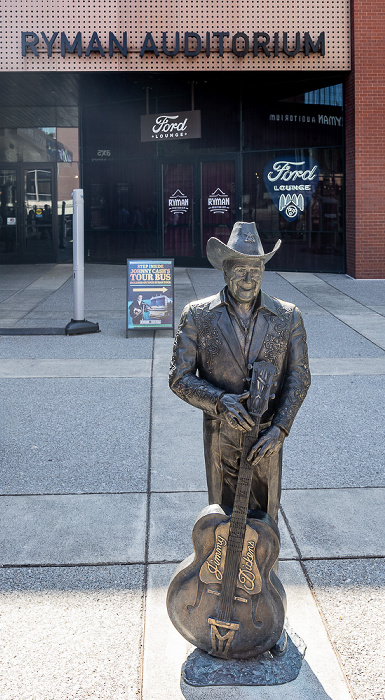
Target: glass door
[28, 219]
[218, 200]
[178, 210]
[200, 199]
[38, 208]
[9, 220]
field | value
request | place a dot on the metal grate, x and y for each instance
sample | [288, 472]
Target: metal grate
[137, 17]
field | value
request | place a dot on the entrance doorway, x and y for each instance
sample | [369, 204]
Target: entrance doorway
[28, 213]
[200, 199]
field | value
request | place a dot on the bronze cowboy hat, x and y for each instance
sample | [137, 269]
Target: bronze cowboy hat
[244, 244]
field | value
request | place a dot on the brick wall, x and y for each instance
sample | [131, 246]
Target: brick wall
[365, 143]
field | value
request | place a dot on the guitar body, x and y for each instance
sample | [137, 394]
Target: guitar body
[259, 605]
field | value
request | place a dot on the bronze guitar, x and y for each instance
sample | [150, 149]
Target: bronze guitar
[225, 598]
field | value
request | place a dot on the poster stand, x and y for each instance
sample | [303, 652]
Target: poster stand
[150, 295]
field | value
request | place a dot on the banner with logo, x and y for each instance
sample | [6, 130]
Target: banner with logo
[150, 295]
[170, 126]
[291, 182]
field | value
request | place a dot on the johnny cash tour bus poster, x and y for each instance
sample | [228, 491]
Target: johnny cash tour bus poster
[150, 295]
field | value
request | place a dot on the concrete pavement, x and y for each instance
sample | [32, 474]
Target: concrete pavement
[102, 477]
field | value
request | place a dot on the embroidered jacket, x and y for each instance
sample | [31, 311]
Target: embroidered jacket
[207, 358]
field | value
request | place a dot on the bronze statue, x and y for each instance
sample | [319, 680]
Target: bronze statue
[223, 347]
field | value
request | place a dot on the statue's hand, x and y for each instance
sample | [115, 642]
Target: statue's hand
[230, 408]
[268, 444]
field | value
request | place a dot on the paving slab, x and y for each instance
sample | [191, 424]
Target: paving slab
[175, 425]
[75, 368]
[74, 435]
[351, 595]
[83, 529]
[370, 293]
[73, 632]
[368, 324]
[337, 439]
[162, 355]
[352, 313]
[15, 277]
[52, 279]
[165, 650]
[7, 320]
[347, 365]
[327, 337]
[105, 293]
[329, 523]
[110, 343]
[172, 518]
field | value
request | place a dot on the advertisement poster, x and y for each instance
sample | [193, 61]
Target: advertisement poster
[150, 295]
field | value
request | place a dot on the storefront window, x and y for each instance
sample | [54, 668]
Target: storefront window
[313, 240]
[121, 212]
[128, 184]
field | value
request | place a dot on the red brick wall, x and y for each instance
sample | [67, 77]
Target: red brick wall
[365, 143]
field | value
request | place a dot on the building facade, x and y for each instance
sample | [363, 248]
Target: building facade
[176, 122]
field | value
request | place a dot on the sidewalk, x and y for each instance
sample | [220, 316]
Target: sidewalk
[102, 477]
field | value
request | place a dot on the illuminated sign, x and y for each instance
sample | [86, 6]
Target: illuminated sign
[291, 183]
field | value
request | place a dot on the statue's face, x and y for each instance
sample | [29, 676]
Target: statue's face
[244, 280]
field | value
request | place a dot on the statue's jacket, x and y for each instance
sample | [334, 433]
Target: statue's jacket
[208, 361]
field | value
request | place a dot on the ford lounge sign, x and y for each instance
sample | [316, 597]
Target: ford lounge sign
[171, 126]
[291, 183]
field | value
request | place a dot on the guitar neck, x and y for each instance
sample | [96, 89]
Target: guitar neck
[260, 385]
[237, 527]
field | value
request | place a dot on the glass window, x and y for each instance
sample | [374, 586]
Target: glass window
[121, 212]
[313, 240]
[8, 213]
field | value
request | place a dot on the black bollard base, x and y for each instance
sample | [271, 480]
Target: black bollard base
[78, 327]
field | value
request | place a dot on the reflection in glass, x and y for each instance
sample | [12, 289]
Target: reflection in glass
[67, 181]
[8, 212]
[38, 211]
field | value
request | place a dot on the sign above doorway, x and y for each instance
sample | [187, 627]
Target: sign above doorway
[171, 126]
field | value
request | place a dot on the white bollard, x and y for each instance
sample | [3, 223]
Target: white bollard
[78, 254]
[78, 324]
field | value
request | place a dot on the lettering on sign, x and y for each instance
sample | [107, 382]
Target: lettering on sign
[168, 126]
[291, 183]
[175, 125]
[178, 202]
[218, 202]
[189, 44]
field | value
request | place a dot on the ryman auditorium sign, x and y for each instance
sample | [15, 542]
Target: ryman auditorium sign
[189, 44]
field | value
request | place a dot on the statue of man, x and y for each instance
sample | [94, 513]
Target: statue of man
[217, 341]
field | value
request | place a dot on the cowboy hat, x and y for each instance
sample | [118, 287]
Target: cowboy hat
[244, 244]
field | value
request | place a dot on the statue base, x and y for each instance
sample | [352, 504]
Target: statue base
[201, 669]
